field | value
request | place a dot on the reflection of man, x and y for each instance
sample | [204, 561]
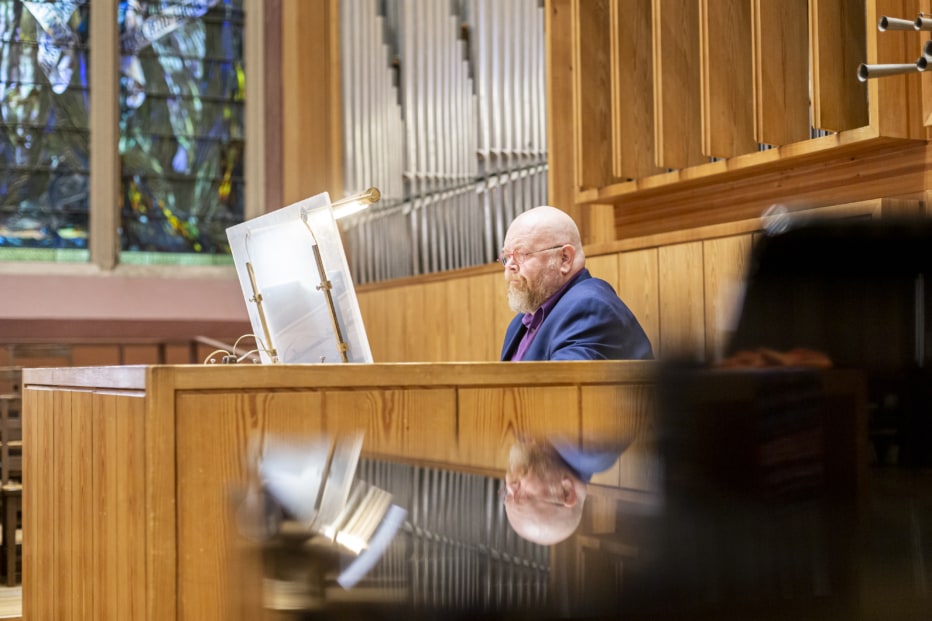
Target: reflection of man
[564, 313]
[546, 485]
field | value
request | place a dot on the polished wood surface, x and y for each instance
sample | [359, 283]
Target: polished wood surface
[131, 471]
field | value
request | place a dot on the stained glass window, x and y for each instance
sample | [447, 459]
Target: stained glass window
[44, 124]
[181, 89]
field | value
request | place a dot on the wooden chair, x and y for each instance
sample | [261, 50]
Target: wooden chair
[11, 485]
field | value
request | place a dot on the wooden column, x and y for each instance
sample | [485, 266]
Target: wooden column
[312, 122]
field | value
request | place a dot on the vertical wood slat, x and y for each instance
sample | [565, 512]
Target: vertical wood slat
[725, 262]
[890, 99]
[633, 154]
[638, 286]
[592, 93]
[838, 45]
[781, 71]
[726, 78]
[677, 108]
[682, 302]
[312, 140]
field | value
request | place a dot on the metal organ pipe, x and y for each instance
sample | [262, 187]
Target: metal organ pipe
[866, 72]
[444, 111]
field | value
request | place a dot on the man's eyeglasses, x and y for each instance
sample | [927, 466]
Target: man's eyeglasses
[520, 257]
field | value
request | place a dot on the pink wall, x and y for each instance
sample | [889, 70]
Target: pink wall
[91, 306]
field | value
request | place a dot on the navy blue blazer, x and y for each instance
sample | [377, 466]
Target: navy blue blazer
[588, 322]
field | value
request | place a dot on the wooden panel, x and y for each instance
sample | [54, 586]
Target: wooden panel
[592, 93]
[682, 306]
[489, 419]
[213, 431]
[632, 90]
[781, 70]
[623, 414]
[639, 288]
[38, 547]
[312, 143]
[839, 45]
[62, 509]
[677, 114]
[469, 298]
[429, 322]
[502, 313]
[125, 480]
[725, 266]
[894, 101]
[561, 157]
[604, 267]
[726, 78]
[420, 424]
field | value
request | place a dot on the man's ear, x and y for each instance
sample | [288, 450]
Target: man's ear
[567, 258]
[569, 491]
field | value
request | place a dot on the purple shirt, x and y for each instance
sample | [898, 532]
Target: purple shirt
[533, 320]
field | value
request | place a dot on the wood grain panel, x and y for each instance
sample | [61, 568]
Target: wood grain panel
[429, 322]
[623, 415]
[592, 93]
[491, 418]
[632, 66]
[781, 70]
[62, 512]
[838, 39]
[38, 547]
[894, 101]
[604, 267]
[677, 108]
[160, 502]
[213, 431]
[420, 424]
[470, 339]
[682, 304]
[502, 313]
[639, 289]
[725, 267]
[726, 78]
[130, 502]
[83, 497]
[312, 144]
[559, 76]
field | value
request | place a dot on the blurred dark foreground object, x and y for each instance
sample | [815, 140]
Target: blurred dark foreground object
[859, 292]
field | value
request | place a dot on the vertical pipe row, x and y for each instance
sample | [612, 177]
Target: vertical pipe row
[445, 113]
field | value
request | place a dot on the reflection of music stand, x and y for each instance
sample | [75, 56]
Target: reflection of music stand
[297, 285]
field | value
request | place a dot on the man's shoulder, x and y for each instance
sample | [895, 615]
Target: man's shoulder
[587, 285]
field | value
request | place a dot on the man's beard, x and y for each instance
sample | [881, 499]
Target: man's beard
[525, 296]
[535, 459]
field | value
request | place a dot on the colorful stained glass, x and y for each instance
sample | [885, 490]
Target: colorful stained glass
[181, 124]
[44, 124]
[181, 93]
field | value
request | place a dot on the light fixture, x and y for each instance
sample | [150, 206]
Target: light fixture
[354, 204]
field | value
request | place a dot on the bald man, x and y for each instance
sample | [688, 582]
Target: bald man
[563, 312]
